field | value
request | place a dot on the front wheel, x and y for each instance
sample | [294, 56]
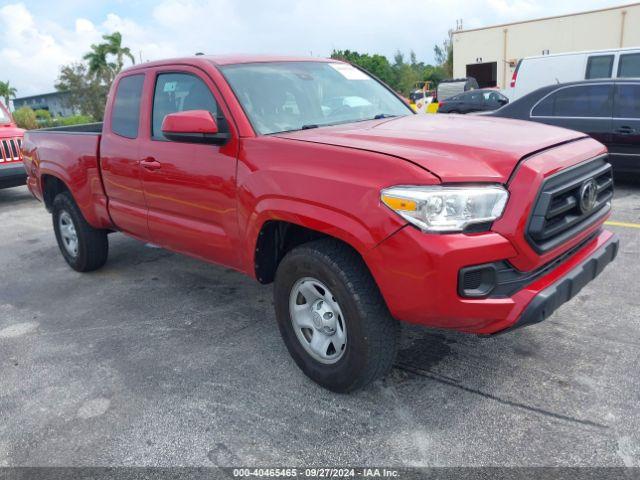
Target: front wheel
[83, 247]
[332, 317]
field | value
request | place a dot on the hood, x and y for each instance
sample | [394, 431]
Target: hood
[10, 131]
[456, 148]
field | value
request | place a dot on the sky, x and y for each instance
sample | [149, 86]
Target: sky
[38, 36]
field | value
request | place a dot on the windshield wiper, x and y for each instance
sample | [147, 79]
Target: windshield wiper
[309, 126]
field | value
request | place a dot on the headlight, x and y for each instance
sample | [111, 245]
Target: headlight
[446, 209]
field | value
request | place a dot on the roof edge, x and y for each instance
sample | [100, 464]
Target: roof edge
[552, 17]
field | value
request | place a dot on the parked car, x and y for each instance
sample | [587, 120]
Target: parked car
[12, 172]
[448, 88]
[607, 110]
[532, 73]
[484, 100]
[361, 213]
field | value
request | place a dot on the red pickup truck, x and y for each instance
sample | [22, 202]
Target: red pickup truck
[315, 176]
[12, 172]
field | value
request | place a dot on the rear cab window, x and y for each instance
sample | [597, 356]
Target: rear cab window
[599, 66]
[586, 101]
[629, 65]
[125, 116]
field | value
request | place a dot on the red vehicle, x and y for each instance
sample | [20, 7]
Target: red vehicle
[12, 172]
[312, 175]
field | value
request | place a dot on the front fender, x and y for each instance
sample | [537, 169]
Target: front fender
[331, 190]
[322, 219]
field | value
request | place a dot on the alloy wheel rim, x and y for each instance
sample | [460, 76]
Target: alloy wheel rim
[318, 321]
[68, 234]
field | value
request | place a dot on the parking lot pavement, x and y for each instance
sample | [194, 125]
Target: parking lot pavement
[159, 359]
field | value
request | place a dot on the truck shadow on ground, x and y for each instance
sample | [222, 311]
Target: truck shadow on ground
[475, 365]
[225, 309]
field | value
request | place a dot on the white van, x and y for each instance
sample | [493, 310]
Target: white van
[532, 73]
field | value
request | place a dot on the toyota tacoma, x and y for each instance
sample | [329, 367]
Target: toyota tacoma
[315, 176]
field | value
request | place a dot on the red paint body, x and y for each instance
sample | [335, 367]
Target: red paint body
[214, 205]
[11, 171]
[198, 121]
[8, 131]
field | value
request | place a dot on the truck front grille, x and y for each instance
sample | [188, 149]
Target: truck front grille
[570, 202]
[10, 150]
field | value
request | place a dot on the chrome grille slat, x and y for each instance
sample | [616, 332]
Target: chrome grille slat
[557, 214]
[567, 204]
[14, 148]
[5, 150]
[10, 150]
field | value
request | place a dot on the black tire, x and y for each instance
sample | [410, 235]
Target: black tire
[92, 244]
[372, 333]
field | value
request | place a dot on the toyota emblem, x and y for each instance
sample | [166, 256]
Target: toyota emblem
[588, 195]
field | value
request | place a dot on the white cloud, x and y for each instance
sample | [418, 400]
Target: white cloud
[512, 8]
[85, 27]
[34, 46]
[32, 50]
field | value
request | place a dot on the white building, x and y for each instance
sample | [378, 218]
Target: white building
[490, 54]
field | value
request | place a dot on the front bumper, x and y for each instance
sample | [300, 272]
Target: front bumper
[548, 300]
[12, 174]
[418, 277]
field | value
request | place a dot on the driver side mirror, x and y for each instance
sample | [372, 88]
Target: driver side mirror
[193, 126]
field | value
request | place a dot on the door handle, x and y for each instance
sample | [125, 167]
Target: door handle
[625, 130]
[150, 163]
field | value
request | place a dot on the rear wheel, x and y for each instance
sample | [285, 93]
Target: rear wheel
[332, 317]
[83, 247]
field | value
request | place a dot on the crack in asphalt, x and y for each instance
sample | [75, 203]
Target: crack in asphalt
[558, 416]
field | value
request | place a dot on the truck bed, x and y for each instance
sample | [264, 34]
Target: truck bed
[70, 154]
[95, 127]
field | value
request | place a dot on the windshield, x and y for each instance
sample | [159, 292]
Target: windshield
[285, 96]
[4, 116]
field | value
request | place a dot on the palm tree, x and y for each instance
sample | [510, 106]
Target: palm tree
[114, 47]
[99, 65]
[7, 92]
[97, 62]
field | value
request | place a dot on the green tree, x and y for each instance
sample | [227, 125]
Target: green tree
[444, 54]
[402, 76]
[115, 48]
[87, 84]
[408, 75]
[98, 66]
[84, 92]
[7, 92]
[434, 74]
[377, 65]
[43, 116]
[99, 60]
[25, 118]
